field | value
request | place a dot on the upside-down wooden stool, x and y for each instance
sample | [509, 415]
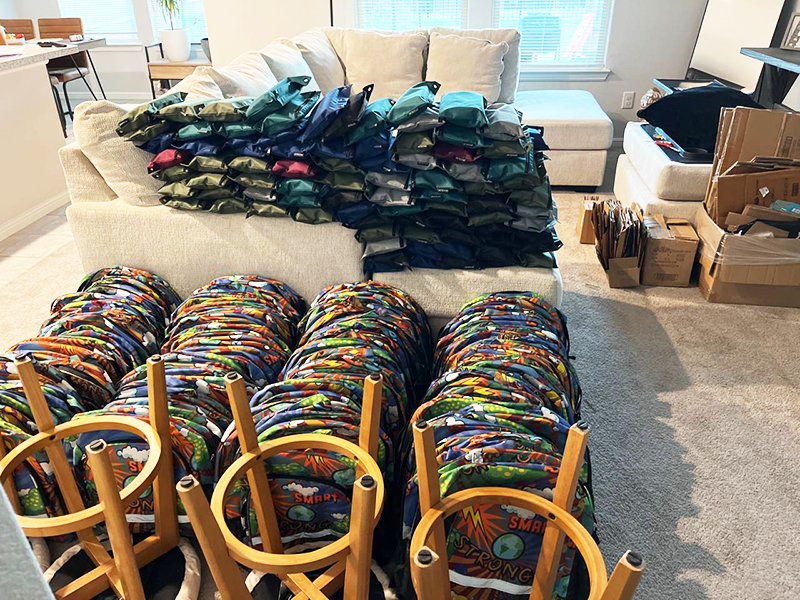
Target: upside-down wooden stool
[348, 559]
[429, 568]
[122, 571]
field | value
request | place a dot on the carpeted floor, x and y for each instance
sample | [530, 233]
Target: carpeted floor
[695, 416]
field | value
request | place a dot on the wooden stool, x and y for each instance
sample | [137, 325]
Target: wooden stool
[429, 567]
[348, 559]
[122, 571]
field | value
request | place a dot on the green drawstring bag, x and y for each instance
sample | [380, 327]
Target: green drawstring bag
[312, 216]
[372, 121]
[207, 164]
[183, 112]
[224, 206]
[289, 115]
[412, 143]
[441, 196]
[249, 164]
[265, 209]
[234, 130]
[458, 209]
[413, 101]
[435, 181]
[178, 189]
[353, 182]
[148, 132]
[506, 169]
[421, 234]
[215, 193]
[460, 136]
[376, 234]
[225, 111]
[545, 260]
[337, 165]
[278, 96]
[465, 109]
[172, 174]
[208, 181]
[300, 201]
[538, 197]
[194, 131]
[482, 188]
[529, 181]
[145, 113]
[505, 149]
[263, 182]
[180, 203]
[254, 194]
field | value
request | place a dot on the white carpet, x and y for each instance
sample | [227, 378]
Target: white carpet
[695, 415]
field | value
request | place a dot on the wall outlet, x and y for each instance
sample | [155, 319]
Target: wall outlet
[628, 98]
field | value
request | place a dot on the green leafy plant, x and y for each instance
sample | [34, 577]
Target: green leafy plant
[171, 9]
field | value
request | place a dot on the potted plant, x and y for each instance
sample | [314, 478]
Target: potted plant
[175, 41]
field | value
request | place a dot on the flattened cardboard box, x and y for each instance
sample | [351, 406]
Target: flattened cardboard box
[669, 253]
[747, 269]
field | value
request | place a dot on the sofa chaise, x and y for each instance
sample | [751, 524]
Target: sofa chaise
[116, 217]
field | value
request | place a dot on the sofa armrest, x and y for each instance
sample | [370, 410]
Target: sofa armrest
[84, 183]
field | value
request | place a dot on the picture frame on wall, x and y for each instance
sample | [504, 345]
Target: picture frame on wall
[791, 41]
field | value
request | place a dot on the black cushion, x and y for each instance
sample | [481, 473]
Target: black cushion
[691, 117]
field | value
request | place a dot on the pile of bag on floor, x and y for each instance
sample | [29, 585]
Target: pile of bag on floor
[425, 184]
[242, 324]
[501, 404]
[350, 332]
[92, 338]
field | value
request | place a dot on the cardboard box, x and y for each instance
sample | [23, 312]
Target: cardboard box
[669, 253]
[747, 269]
[736, 190]
[585, 230]
[623, 272]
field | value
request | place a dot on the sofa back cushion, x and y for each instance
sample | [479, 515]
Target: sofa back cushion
[198, 85]
[286, 60]
[121, 164]
[392, 61]
[321, 57]
[251, 75]
[510, 77]
[466, 64]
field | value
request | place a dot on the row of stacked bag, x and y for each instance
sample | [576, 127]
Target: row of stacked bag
[503, 398]
[425, 184]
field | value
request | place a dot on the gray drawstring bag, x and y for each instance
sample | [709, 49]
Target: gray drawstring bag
[505, 123]
[425, 121]
[470, 172]
[389, 197]
[423, 162]
[396, 181]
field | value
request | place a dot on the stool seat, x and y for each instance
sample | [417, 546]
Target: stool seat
[62, 75]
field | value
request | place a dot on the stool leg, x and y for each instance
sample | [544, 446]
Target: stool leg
[425, 573]
[625, 578]
[223, 568]
[369, 428]
[359, 559]
[116, 524]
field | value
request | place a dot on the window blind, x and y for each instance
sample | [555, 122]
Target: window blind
[399, 15]
[112, 19]
[192, 17]
[564, 33]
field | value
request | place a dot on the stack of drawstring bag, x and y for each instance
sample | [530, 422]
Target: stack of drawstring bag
[425, 184]
[92, 338]
[350, 332]
[501, 404]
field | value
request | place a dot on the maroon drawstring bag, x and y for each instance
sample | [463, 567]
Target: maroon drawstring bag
[294, 169]
[166, 159]
[451, 153]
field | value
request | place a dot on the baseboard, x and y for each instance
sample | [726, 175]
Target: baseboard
[32, 215]
[78, 97]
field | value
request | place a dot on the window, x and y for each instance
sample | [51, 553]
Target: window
[111, 19]
[192, 17]
[558, 33]
[398, 15]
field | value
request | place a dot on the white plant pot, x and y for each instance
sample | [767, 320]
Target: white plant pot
[176, 44]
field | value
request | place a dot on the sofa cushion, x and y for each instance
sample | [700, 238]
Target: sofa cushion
[83, 180]
[251, 74]
[572, 119]
[338, 37]
[121, 164]
[510, 77]
[286, 60]
[321, 58]
[392, 62]
[665, 178]
[197, 86]
[452, 61]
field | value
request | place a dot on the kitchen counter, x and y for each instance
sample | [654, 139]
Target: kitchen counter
[29, 53]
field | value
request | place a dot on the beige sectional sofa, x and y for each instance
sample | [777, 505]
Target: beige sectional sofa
[117, 219]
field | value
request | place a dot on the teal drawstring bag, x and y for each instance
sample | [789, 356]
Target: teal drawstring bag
[194, 131]
[438, 181]
[249, 164]
[297, 193]
[465, 109]
[413, 101]
[337, 165]
[371, 122]
[288, 116]
[225, 111]
[207, 164]
[460, 136]
[143, 114]
[278, 96]
[234, 130]
[505, 169]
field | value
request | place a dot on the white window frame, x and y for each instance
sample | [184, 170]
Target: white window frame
[479, 16]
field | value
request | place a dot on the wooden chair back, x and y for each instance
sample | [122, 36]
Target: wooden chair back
[23, 26]
[62, 28]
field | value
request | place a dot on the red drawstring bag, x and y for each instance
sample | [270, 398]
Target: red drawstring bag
[451, 153]
[166, 159]
[294, 169]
